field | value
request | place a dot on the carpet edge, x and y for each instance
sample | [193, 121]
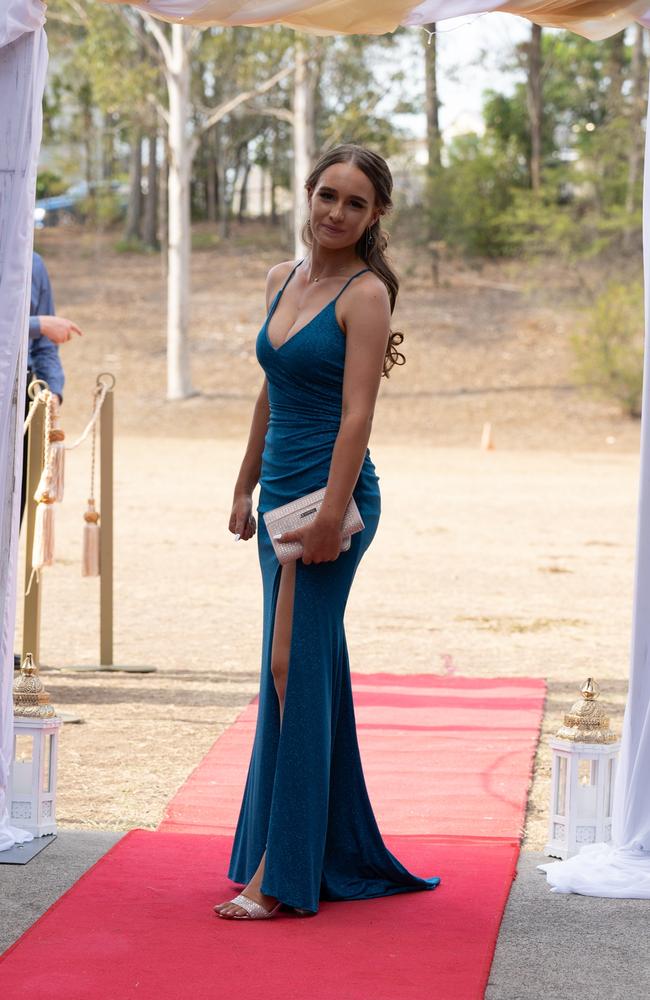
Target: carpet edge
[52, 906]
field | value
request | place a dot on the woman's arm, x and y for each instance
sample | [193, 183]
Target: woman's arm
[367, 324]
[242, 521]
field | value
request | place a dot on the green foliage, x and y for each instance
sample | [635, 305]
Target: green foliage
[480, 200]
[103, 208]
[133, 245]
[469, 197]
[49, 183]
[609, 351]
[349, 93]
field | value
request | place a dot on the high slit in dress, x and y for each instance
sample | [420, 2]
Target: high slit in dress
[305, 800]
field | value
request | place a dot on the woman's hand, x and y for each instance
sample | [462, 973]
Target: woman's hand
[320, 539]
[242, 522]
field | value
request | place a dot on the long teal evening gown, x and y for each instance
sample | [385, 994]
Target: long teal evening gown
[305, 799]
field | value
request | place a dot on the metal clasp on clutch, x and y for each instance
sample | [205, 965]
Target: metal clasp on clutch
[306, 513]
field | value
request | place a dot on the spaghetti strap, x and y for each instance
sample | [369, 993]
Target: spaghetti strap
[363, 271]
[278, 294]
[293, 271]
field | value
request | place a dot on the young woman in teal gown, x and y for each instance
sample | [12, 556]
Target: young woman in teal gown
[306, 829]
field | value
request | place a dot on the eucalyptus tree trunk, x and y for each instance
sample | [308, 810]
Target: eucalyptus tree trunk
[211, 176]
[175, 45]
[134, 210]
[638, 72]
[534, 100]
[222, 188]
[434, 143]
[163, 200]
[431, 95]
[179, 384]
[273, 169]
[303, 139]
[243, 192]
[150, 220]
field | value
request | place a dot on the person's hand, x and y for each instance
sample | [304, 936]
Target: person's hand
[58, 329]
[242, 522]
[320, 539]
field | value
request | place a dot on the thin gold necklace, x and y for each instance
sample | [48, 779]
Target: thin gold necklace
[319, 276]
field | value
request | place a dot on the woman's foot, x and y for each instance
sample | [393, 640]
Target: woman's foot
[232, 911]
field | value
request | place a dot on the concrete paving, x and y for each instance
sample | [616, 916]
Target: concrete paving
[27, 891]
[550, 945]
[569, 947]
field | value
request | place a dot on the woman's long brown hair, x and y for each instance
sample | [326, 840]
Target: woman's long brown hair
[371, 247]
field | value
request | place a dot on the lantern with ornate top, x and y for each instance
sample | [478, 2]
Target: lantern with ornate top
[36, 726]
[582, 778]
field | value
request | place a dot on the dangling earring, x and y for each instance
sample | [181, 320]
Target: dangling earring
[369, 240]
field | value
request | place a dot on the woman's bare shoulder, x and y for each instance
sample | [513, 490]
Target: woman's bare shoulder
[276, 277]
[370, 286]
[367, 295]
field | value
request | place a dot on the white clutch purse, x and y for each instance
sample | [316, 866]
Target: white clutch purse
[300, 512]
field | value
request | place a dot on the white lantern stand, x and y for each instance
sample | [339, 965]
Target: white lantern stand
[36, 731]
[582, 778]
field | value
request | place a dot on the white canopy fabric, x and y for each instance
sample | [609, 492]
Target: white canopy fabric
[622, 869]
[591, 18]
[18, 17]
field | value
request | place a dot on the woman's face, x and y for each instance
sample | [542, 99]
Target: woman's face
[341, 206]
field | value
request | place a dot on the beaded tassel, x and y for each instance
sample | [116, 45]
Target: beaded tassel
[57, 437]
[90, 546]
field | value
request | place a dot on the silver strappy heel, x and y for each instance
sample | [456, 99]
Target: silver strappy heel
[255, 910]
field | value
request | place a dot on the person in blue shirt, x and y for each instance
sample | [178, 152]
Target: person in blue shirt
[46, 331]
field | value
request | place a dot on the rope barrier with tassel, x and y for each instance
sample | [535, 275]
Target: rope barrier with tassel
[90, 562]
[90, 565]
[45, 496]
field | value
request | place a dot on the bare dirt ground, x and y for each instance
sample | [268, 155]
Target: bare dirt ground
[512, 562]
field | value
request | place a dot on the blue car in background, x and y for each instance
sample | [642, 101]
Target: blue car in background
[71, 205]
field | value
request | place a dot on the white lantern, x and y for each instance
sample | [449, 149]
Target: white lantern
[582, 778]
[36, 730]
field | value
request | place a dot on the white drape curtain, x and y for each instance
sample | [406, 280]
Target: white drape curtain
[18, 17]
[620, 870]
[23, 60]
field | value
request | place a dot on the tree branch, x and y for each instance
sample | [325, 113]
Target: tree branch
[227, 106]
[154, 28]
[195, 37]
[135, 26]
[77, 8]
[284, 114]
[159, 106]
[62, 19]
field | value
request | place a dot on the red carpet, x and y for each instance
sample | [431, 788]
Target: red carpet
[444, 755]
[448, 763]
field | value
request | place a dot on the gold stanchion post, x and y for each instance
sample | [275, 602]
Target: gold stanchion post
[106, 555]
[106, 430]
[32, 600]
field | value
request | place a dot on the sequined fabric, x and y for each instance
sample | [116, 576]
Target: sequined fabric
[305, 798]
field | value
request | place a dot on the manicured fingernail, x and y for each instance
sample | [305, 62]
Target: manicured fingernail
[276, 538]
